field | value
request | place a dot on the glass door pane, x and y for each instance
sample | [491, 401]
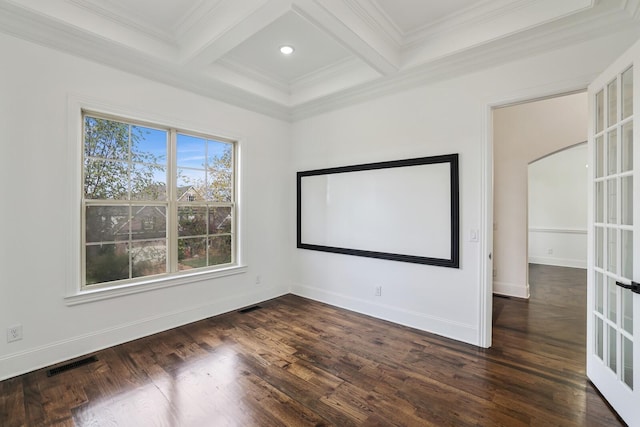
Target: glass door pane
[627, 362]
[627, 93]
[627, 147]
[612, 106]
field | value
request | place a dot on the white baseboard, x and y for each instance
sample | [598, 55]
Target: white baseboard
[511, 289]
[558, 262]
[19, 363]
[444, 327]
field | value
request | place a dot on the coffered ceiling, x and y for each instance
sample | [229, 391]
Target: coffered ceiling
[344, 50]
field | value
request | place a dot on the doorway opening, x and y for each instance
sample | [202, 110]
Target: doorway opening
[540, 212]
[523, 133]
[540, 232]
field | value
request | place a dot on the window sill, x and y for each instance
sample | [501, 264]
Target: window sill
[86, 296]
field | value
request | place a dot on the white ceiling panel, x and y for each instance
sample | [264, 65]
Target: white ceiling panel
[314, 50]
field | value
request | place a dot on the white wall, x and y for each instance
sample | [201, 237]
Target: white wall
[439, 118]
[558, 209]
[522, 134]
[35, 86]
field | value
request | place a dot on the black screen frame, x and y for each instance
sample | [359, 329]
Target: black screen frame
[454, 259]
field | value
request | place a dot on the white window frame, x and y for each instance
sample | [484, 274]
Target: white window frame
[76, 292]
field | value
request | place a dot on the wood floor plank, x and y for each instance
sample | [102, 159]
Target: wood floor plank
[288, 411]
[12, 410]
[297, 362]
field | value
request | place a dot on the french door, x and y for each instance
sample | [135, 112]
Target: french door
[613, 319]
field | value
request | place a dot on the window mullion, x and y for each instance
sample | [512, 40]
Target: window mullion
[172, 195]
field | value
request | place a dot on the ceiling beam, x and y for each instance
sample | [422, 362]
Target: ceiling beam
[344, 22]
[492, 27]
[226, 26]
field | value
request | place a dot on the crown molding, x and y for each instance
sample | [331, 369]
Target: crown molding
[335, 72]
[125, 18]
[481, 13]
[85, 19]
[492, 28]
[252, 73]
[330, 71]
[106, 9]
[476, 14]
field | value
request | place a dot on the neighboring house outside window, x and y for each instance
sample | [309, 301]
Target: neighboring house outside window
[156, 201]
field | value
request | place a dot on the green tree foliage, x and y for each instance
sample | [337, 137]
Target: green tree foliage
[106, 264]
[112, 162]
[220, 176]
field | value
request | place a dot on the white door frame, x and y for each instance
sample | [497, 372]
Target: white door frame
[485, 312]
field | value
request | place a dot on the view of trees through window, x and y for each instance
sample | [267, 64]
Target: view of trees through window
[140, 222]
[204, 192]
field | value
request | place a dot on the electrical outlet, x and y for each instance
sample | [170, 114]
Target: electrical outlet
[14, 333]
[258, 280]
[378, 291]
[495, 273]
[550, 251]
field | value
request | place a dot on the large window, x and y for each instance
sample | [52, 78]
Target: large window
[156, 201]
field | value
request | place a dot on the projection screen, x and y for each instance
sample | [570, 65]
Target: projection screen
[401, 210]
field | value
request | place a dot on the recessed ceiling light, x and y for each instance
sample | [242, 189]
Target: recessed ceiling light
[286, 50]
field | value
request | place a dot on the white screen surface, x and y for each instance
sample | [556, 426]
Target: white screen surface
[398, 210]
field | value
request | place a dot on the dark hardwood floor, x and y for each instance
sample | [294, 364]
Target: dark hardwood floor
[296, 362]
